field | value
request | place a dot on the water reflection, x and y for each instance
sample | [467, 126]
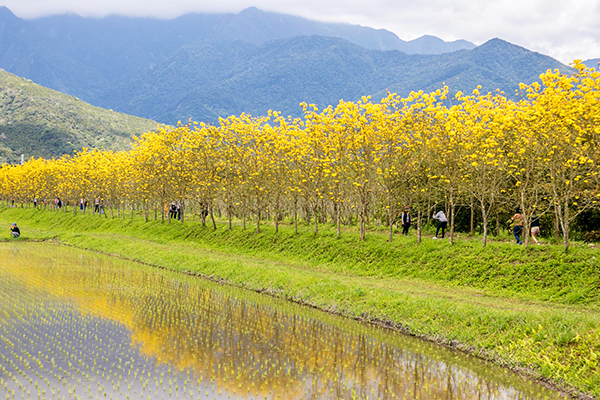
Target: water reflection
[80, 325]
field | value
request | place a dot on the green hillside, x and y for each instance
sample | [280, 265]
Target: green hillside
[37, 121]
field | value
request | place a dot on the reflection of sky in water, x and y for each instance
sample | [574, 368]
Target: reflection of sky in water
[79, 325]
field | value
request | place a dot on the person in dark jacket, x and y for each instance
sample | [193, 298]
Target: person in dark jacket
[173, 211]
[406, 220]
[16, 232]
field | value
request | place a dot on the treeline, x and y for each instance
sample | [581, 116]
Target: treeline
[358, 161]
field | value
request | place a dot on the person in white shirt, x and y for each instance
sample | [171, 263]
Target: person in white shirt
[443, 222]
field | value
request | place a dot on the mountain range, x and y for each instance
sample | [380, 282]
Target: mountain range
[206, 66]
[592, 63]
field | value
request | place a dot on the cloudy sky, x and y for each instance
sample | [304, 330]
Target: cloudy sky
[563, 29]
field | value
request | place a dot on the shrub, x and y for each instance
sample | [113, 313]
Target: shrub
[591, 236]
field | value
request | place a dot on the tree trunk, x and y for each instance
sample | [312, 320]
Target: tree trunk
[564, 223]
[295, 216]
[276, 215]
[566, 236]
[244, 218]
[484, 217]
[229, 216]
[307, 214]
[338, 219]
[472, 228]
[362, 227]
[452, 219]
[257, 220]
[526, 222]
[428, 209]
[363, 220]
[556, 223]
[419, 225]
[212, 217]
[390, 221]
[316, 219]
[497, 221]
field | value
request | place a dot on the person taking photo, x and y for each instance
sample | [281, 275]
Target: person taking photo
[14, 229]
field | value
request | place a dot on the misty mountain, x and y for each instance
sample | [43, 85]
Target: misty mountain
[120, 47]
[205, 66]
[113, 49]
[258, 27]
[214, 79]
[592, 63]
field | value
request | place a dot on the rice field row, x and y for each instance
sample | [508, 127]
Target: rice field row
[78, 325]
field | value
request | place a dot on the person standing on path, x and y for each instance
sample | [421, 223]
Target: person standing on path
[443, 222]
[16, 232]
[406, 220]
[517, 220]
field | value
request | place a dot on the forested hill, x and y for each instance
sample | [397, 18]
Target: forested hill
[216, 79]
[206, 66]
[40, 122]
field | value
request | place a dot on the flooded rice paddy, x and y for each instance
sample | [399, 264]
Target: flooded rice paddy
[78, 325]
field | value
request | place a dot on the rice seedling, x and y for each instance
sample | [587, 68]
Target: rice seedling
[76, 325]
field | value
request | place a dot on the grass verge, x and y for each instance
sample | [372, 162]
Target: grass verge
[534, 310]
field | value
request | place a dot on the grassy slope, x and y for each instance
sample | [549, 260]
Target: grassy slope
[37, 121]
[533, 309]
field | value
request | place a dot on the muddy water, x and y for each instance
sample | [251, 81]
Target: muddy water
[78, 325]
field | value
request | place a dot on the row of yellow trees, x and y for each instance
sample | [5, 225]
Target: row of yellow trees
[360, 160]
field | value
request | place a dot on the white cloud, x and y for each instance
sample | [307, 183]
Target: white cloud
[562, 29]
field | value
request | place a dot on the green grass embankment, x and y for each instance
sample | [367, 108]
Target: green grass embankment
[536, 310]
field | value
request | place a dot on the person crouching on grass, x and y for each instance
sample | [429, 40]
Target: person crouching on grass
[15, 231]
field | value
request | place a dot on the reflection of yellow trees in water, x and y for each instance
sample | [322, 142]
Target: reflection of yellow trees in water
[248, 344]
